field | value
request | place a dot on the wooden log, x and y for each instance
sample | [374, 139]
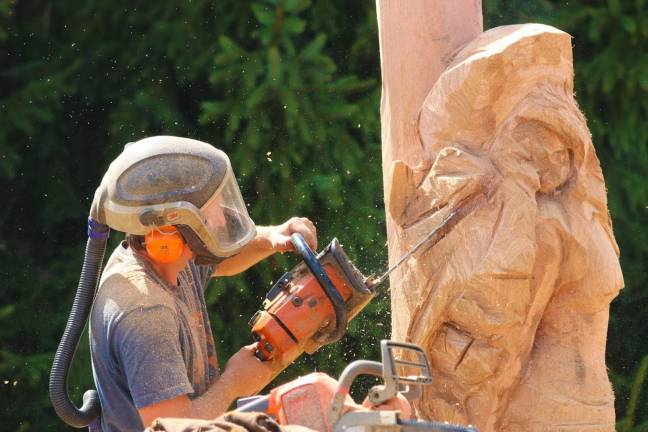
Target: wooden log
[512, 305]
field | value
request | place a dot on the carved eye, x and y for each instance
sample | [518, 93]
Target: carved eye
[547, 151]
[554, 170]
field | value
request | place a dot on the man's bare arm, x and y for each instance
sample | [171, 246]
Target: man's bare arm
[269, 239]
[210, 405]
[244, 375]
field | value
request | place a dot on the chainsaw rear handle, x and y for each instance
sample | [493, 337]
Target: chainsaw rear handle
[350, 373]
[386, 369]
[313, 264]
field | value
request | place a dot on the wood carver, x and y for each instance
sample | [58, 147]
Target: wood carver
[512, 305]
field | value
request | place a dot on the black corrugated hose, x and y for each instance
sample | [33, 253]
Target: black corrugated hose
[92, 263]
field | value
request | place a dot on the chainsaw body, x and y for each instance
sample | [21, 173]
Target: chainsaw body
[310, 305]
[317, 401]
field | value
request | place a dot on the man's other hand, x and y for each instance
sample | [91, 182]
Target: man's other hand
[245, 373]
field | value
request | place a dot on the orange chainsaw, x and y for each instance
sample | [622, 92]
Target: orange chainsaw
[318, 402]
[311, 305]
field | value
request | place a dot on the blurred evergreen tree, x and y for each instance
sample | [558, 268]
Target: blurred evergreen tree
[303, 137]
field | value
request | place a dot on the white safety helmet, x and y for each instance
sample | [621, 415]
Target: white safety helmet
[167, 180]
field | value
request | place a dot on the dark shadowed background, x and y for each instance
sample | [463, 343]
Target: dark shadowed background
[290, 90]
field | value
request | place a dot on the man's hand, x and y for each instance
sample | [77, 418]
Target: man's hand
[279, 235]
[245, 374]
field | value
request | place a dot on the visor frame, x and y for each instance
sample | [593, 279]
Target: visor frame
[139, 220]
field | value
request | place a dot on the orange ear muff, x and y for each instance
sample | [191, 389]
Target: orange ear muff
[164, 244]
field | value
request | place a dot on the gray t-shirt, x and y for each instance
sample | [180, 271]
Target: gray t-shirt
[150, 341]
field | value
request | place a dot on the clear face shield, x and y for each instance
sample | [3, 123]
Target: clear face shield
[220, 228]
[227, 218]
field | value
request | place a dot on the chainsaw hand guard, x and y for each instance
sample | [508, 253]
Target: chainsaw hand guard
[408, 384]
[417, 372]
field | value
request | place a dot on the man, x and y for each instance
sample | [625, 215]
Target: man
[153, 352]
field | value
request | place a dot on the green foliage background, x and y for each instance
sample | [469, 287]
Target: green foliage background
[290, 89]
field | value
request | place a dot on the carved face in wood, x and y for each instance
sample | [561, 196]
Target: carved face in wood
[506, 140]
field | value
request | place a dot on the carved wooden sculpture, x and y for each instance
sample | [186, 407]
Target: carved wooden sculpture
[512, 305]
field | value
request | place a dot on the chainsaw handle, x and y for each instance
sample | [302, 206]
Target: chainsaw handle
[313, 264]
[350, 373]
